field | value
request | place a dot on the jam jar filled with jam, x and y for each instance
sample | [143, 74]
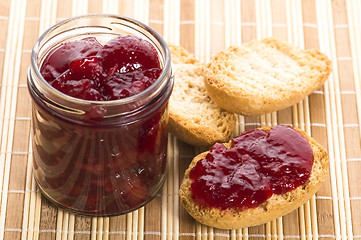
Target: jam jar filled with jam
[100, 86]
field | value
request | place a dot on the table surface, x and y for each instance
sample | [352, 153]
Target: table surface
[332, 115]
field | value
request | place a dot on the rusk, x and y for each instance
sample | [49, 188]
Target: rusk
[263, 76]
[273, 208]
[193, 117]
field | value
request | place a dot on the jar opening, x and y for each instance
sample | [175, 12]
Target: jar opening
[103, 27]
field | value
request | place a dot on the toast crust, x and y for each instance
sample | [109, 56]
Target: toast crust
[273, 208]
[193, 117]
[264, 76]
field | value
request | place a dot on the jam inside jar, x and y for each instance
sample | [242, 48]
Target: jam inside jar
[96, 156]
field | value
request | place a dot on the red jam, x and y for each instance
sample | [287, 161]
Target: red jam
[97, 167]
[85, 69]
[257, 165]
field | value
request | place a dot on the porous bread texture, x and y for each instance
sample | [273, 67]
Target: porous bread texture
[275, 207]
[263, 76]
[181, 56]
[193, 117]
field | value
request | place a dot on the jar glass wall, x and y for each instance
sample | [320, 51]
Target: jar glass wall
[99, 158]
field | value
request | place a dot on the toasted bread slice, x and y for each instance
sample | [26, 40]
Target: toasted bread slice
[264, 76]
[193, 117]
[273, 208]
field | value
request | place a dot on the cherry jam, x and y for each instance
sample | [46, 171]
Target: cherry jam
[85, 69]
[257, 165]
[100, 114]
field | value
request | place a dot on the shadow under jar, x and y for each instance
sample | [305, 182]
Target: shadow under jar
[99, 158]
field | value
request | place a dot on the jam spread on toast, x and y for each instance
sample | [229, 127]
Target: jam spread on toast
[257, 164]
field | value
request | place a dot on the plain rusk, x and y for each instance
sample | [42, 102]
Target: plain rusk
[263, 76]
[193, 117]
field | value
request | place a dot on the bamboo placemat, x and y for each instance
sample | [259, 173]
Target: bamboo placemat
[331, 114]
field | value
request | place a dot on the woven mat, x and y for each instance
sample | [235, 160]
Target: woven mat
[331, 114]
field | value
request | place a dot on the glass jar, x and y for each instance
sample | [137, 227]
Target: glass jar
[99, 158]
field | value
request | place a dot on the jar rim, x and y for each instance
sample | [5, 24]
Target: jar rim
[166, 69]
